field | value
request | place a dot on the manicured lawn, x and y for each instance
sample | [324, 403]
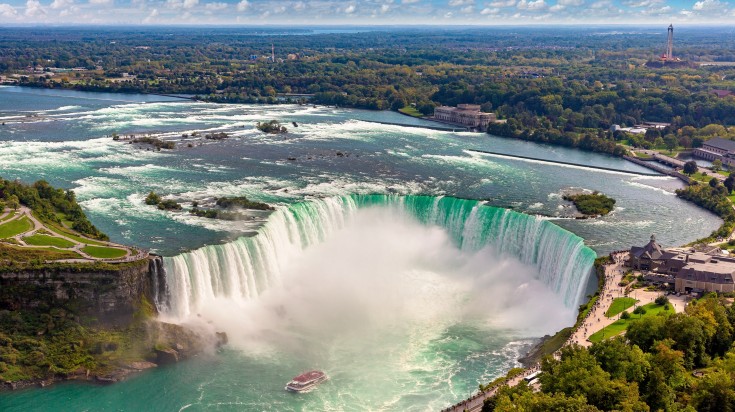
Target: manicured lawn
[643, 155]
[15, 227]
[618, 305]
[411, 111]
[621, 325]
[27, 254]
[103, 252]
[701, 177]
[9, 216]
[46, 240]
[59, 230]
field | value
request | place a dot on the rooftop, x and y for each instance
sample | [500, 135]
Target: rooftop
[722, 144]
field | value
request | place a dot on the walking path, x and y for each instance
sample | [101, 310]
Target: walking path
[593, 322]
[23, 211]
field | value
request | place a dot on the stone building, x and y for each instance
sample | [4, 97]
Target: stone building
[468, 115]
[717, 148]
[688, 269]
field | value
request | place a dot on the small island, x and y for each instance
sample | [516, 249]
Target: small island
[224, 205]
[591, 204]
[272, 127]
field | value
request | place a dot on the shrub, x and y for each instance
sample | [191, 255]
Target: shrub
[625, 315]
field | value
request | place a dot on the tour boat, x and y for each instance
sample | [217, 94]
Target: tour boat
[306, 381]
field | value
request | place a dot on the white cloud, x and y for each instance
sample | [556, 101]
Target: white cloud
[6, 10]
[503, 3]
[101, 2]
[468, 9]
[181, 4]
[571, 2]
[709, 5]
[601, 4]
[215, 6]
[643, 3]
[409, 1]
[350, 9]
[532, 5]
[384, 8]
[557, 7]
[243, 5]
[34, 8]
[151, 17]
[456, 3]
[61, 4]
[299, 6]
[487, 11]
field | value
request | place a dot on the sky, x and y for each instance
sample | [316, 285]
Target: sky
[365, 12]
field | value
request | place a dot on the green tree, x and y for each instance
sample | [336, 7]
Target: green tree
[716, 165]
[690, 167]
[577, 373]
[714, 393]
[644, 332]
[620, 360]
[671, 142]
[13, 202]
[714, 182]
[729, 184]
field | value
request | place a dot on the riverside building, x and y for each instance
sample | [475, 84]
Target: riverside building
[688, 269]
[468, 115]
[717, 148]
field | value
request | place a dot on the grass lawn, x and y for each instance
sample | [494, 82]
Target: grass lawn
[621, 325]
[9, 216]
[104, 252]
[59, 230]
[411, 111]
[641, 155]
[701, 177]
[46, 240]
[26, 254]
[15, 227]
[618, 305]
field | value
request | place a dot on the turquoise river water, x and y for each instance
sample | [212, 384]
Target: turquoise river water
[372, 268]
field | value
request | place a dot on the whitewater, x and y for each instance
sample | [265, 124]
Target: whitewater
[373, 267]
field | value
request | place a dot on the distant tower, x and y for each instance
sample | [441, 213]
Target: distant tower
[273, 51]
[670, 43]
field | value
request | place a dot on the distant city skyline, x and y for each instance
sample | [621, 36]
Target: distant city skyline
[365, 12]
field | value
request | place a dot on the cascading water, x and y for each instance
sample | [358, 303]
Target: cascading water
[246, 267]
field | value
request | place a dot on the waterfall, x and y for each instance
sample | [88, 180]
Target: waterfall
[248, 266]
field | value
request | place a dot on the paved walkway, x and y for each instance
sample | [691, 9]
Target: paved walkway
[131, 254]
[596, 320]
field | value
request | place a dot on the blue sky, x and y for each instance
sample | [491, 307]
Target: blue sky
[365, 12]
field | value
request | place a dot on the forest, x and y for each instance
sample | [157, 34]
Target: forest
[567, 79]
[679, 362]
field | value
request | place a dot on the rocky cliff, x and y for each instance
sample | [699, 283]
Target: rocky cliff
[104, 294]
[87, 321]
